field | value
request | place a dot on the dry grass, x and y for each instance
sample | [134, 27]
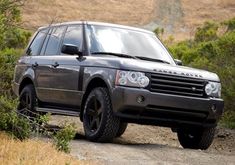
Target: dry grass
[130, 12]
[178, 17]
[197, 12]
[32, 152]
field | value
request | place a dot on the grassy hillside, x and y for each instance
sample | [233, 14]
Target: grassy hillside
[178, 17]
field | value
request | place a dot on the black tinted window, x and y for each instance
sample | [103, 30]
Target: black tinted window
[54, 41]
[33, 50]
[73, 35]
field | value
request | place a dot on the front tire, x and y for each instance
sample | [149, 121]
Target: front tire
[196, 139]
[99, 122]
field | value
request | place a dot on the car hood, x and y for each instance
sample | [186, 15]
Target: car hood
[153, 67]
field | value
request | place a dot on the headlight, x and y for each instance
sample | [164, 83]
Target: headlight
[213, 89]
[132, 79]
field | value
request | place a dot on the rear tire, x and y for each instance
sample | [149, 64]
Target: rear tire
[27, 102]
[99, 122]
[122, 129]
[196, 139]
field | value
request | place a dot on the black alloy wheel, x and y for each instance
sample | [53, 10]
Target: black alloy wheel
[99, 122]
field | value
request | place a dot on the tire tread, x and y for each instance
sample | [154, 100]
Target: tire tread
[110, 124]
[203, 139]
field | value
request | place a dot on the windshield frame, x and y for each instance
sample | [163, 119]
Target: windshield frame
[171, 59]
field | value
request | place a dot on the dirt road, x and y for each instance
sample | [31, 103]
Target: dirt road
[151, 145]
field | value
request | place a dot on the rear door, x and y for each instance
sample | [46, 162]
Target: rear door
[40, 65]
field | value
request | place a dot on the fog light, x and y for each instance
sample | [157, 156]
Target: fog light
[213, 108]
[140, 99]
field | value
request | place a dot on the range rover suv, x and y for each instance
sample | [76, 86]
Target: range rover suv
[111, 75]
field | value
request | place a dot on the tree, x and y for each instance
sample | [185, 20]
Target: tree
[10, 34]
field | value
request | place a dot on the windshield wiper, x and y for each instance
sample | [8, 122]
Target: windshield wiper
[115, 54]
[129, 56]
[152, 59]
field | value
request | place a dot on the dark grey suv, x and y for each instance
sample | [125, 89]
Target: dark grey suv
[111, 75]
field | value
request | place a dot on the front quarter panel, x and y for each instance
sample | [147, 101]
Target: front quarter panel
[106, 74]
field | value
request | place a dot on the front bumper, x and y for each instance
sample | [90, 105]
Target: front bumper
[165, 109]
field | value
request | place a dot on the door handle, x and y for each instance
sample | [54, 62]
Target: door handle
[35, 65]
[55, 65]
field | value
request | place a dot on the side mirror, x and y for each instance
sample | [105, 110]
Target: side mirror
[70, 49]
[178, 62]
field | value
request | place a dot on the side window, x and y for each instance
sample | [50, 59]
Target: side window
[45, 43]
[54, 40]
[34, 47]
[73, 35]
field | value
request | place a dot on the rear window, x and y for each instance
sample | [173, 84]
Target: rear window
[34, 47]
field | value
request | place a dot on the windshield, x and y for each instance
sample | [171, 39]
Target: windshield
[128, 42]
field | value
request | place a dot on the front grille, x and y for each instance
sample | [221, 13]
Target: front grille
[177, 85]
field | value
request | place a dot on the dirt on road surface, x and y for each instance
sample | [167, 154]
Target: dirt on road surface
[150, 145]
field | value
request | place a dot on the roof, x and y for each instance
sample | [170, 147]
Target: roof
[98, 24]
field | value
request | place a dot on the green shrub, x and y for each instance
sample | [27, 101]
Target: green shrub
[44, 119]
[16, 38]
[230, 24]
[8, 59]
[228, 120]
[207, 32]
[64, 136]
[10, 121]
[9, 20]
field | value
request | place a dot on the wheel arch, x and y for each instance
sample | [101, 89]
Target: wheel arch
[94, 82]
[25, 81]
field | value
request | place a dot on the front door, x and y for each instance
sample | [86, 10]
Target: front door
[62, 88]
